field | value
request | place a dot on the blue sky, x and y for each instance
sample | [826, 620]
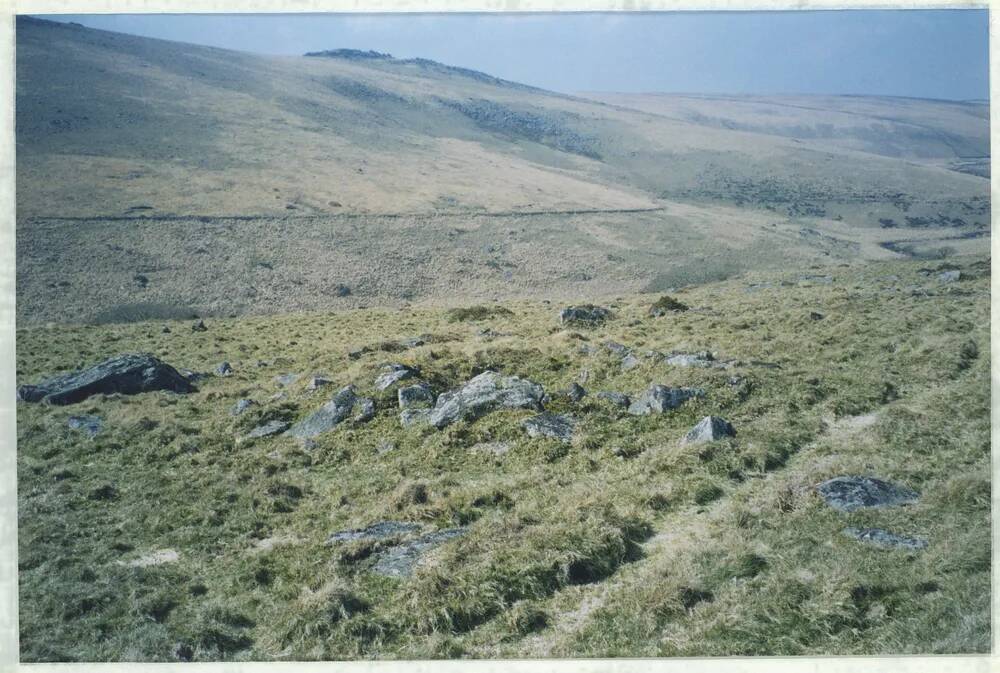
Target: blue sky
[919, 53]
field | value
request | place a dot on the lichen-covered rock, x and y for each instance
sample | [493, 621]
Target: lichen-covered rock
[415, 396]
[366, 409]
[127, 374]
[377, 531]
[266, 430]
[586, 315]
[661, 398]
[630, 362]
[89, 424]
[879, 537]
[326, 417]
[849, 493]
[617, 399]
[408, 417]
[485, 393]
[401, 560]
[710, 429]
[700, 359]
[394, 373]
[555, 426]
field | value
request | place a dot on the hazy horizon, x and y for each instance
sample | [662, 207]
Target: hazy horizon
[936, 54]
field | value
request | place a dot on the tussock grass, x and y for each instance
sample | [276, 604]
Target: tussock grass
[624, 542]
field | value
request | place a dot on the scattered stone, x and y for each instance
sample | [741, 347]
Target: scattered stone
[268, 429]
[665, 305]
[710, 429]
[224, 369]
[617, 399]
[879, 537]
[128, 374]
[377, 531]
[394, 373]
[816, 316]
[199, 326]
[155, 558]
[416, 396]
[586, 315]
[89, 424]
[575, 392]
[949, 276]
[317, 382]
[401, 560]
[700, 359]
[661, 398]
[366, 410]
[341, 290]
[285, 380]
[484, 393]
[849, 493]
[556, 426]
[326, 417]
[496, 449]
[630, 362]
[408, 417]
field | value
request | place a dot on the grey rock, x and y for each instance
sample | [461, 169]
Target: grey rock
[949, 276]
[401, 560]
[127, 374]
[286, 379]
[326, 417]
[412, 342]
[849, 493]
[224, 369]
[879, 537]
[485, 393]
[366, 409]
[555, 426]
[814, 315]
[586, 315]
[709, 429]
[416, 396]
[377, 531]
[241, 406]
[700, 359]
[199, 326]
[661, 398]
[575, 392]
[89, 424]
[496, 449]
[630, 362]
[317, 382]
[268, 429]
[408, 417]
[617, 399]
[616, 348]
[393, 374]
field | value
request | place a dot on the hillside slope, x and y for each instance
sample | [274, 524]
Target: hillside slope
[158, 178]
[172, 534]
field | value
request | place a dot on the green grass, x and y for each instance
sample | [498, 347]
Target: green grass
[624, 543]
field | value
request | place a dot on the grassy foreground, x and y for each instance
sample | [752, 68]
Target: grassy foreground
[624, 543]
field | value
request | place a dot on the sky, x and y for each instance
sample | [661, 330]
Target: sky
[916, 53]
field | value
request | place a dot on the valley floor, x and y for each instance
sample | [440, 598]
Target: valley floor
[169, 535]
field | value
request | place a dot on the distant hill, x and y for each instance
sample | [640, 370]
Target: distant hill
[235, 182]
